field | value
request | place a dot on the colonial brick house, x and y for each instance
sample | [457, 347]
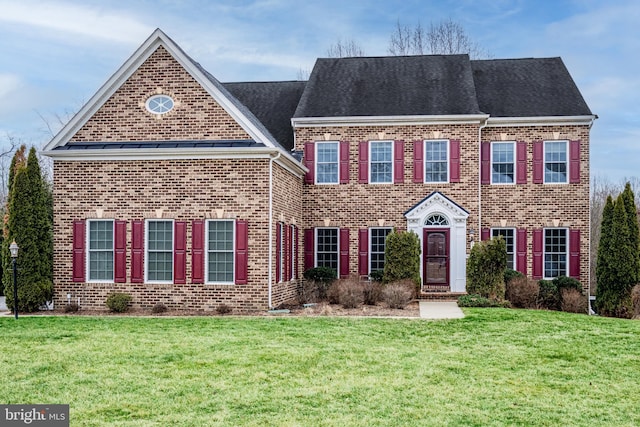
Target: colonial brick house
[179, 189]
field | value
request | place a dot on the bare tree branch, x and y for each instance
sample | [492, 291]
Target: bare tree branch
[346, 49]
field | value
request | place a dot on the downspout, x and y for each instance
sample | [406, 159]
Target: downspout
[271, 160]
[589, 310]
[482, 126]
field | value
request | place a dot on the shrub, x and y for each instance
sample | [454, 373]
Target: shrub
[333, 294]
[522, 292]
[573, 301]
[71, 307]
[308, 292]
[159, 308]
[398, 294]
[372, 292]
[224, 309]
[118, 302]
[486, 267]
[402, 257]
[635, 300]
[350, 292]
[548, 297]
[377, 276]
[510, 274]
[323, 278]
[480, 301]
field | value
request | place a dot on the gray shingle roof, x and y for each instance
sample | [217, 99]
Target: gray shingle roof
[528, 87]
[100, 145]
[390, 86]
[273, 103]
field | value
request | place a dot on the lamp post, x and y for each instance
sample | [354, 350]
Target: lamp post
[14, 257]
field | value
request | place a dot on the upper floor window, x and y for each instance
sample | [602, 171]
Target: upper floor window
[436, 163]
[502, 162]
[555, 161]
[101, 244]
[327, 163]
[508, 234]
[381, 162]
[159, 256]
[220, 251]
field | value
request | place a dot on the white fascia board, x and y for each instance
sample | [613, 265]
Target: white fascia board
[299, 122]
[540, 121]
[155, 40]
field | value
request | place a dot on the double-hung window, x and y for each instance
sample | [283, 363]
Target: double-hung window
[220, 251]
[377, 238]
[555, 161]
[555, 252]
[436, 161]
[502, 163]
[327, 248]
[327, 162]
[100, 244]
[381, 162]
[508, 234]
[159, 259]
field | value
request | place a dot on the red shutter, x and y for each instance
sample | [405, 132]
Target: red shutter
[344, 162]
[287, 252]
[574, 254]
[537, 253]
[291, 252]
[242, 252]
[521, 162]
[309, 261]
[296, 250]
[197, 251]
[309, 162]
[485, 234]
[454, 154]
[120, 252]
[278, 254]
[180, 252]
[363, 162]
[485, 163]
[398, 162]
[344, 253]
[137, 251]
[521, 251]
[538, 163]
[574, 162]
[418, 162]
[78, 251]
[363, 251]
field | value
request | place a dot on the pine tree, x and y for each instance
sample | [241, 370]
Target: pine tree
[634, 233]
[605, 294]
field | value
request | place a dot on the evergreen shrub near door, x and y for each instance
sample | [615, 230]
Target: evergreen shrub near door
[402, 257]
[486, 267]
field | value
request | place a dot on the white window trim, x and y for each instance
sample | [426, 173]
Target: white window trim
[315, 163]
[146, 251]
[369, 147]
[206, 252]
[447, 161]
[544, 251]
[544, 161]
[371, 242]
[161, 95]
[88, 250]
[515, 243]
[315, 249]
[515, 171]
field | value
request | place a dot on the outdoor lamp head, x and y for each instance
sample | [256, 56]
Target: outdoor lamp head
[14, 249]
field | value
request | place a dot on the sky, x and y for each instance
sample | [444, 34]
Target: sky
[55, 54]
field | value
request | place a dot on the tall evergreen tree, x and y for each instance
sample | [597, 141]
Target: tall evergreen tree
[29, 224]
[605, 293]
[634, 232]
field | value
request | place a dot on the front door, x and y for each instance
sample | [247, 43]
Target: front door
[436, 260]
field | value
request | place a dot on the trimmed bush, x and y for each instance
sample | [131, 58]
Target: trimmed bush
[118, 302]
[485, 269]
[402, 257]
[372, 292]
[573, 301]
[548, 297]
[510, 274]
[398, 294]
[323, 277]
[480, 301]
[350, 292]
[159, 308]
[522, 292]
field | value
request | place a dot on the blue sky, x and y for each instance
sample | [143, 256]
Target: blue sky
[55, 54]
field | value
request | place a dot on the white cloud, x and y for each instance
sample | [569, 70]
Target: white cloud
[76, 19]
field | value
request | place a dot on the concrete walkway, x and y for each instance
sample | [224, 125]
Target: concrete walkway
[440, 310]
[3, 304]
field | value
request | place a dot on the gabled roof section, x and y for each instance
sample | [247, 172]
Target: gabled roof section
[240, 113]
[530, 87]
[273, 103]
[436, 202]
[425, 85]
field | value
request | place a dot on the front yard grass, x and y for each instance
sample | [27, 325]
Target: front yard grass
[494, 367]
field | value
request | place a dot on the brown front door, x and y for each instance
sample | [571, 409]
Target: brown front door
[436, 260]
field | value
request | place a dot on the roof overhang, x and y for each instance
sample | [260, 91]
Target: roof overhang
[299, 122]
[541, 121]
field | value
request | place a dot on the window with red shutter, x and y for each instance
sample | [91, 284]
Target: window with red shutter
[521, 162]
[574, 254]
[309, 248]
[344, 162]
[454, 162]
[78, 256]
[344, 253]
[242, 252]
[279, 249]
[197, 251]
[137, 252]
[418, 162]
[485, 163]
[363, 162]
[537, 253]
[309, 162]
[120, 254]
[538, 162]
[363, 251]
[180, 252]
[398, 162]
[574, 162]
[521, 243]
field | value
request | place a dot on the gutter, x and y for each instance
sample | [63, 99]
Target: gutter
[270, 287]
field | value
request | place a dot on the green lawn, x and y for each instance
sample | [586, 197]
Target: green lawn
[494, 367]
